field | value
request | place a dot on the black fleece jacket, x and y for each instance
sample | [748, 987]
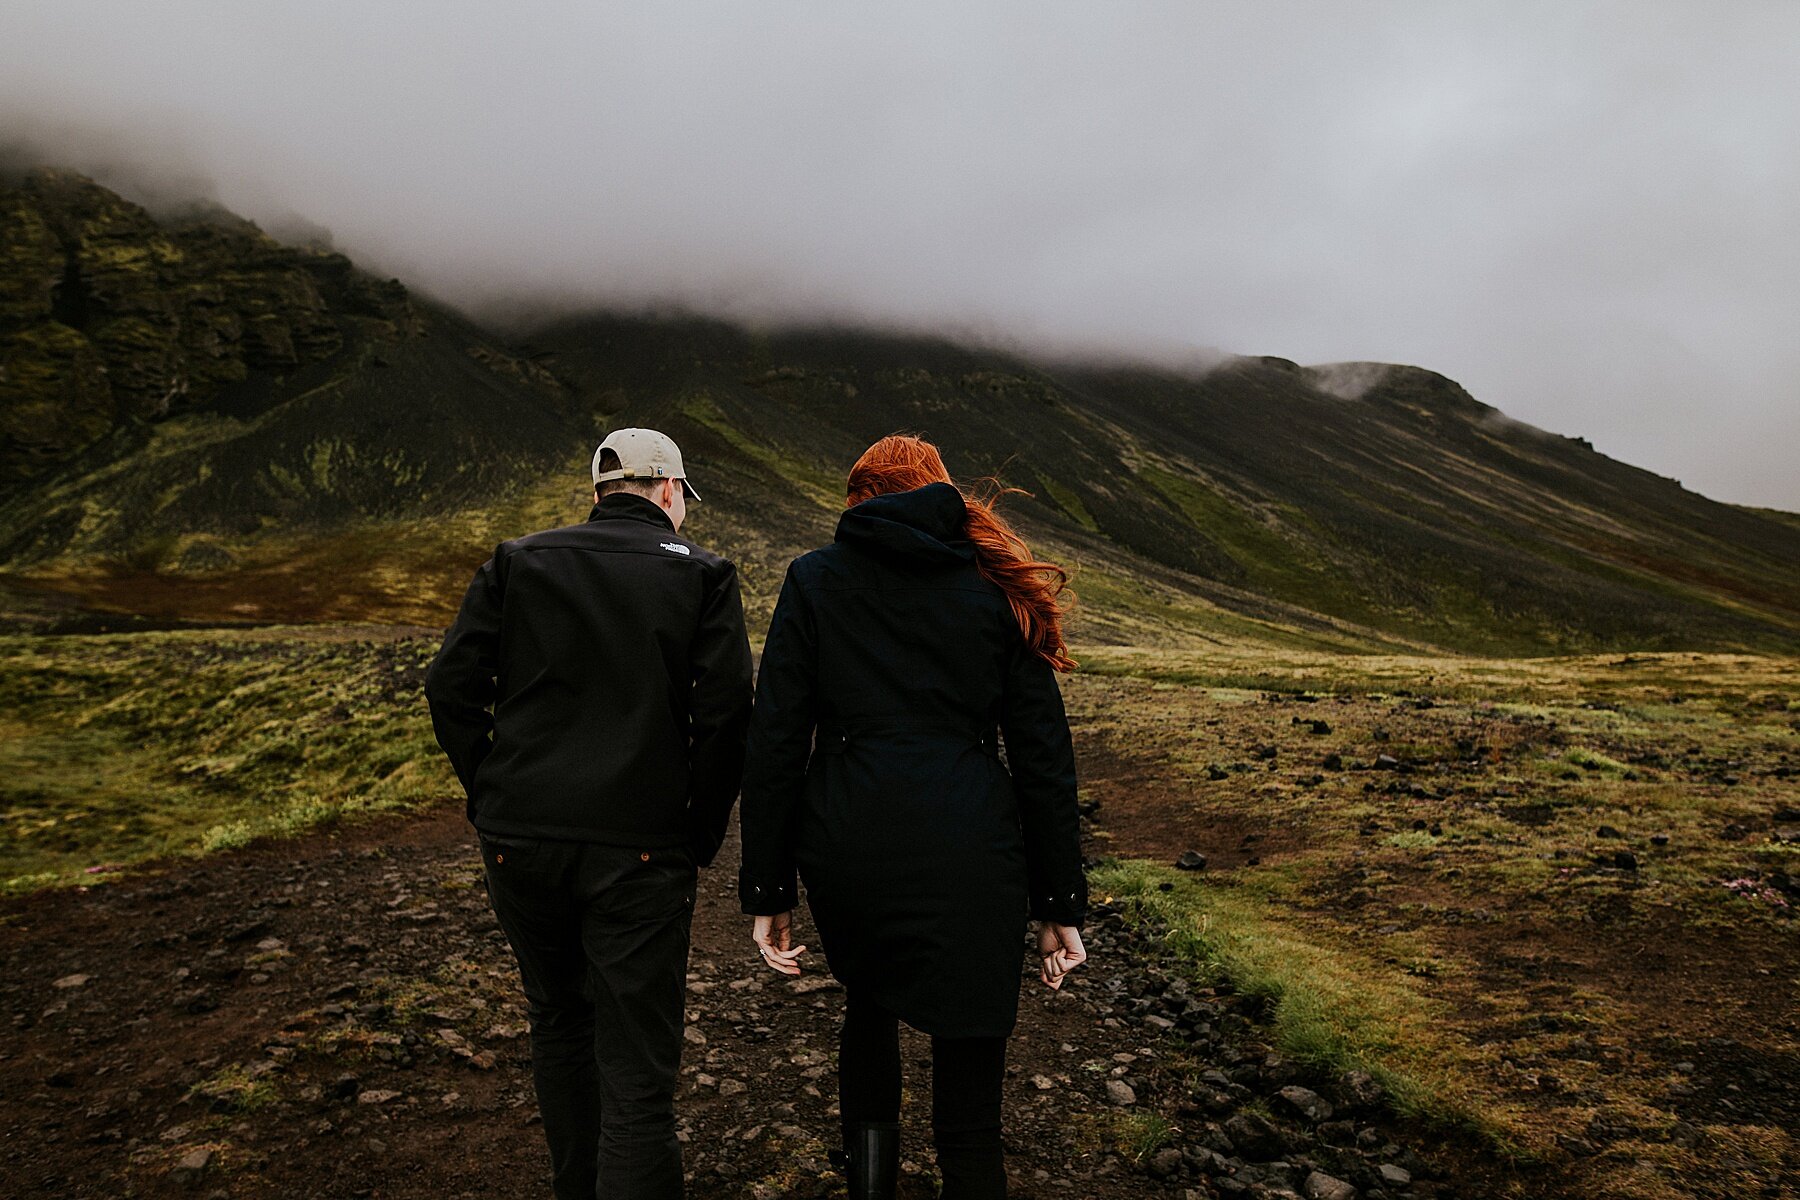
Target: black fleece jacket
[614, 658]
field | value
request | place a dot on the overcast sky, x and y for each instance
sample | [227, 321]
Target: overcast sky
[1588, 214]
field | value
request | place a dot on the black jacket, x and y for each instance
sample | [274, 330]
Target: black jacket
[614, 657]
[874, 771]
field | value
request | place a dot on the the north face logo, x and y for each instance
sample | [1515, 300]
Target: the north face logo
[675, 548]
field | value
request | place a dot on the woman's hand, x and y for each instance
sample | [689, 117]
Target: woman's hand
[1059, 952]
[772, 935]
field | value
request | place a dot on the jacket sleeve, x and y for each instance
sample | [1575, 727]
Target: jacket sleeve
[462, 680]
[781, 736]
[718, 712]
[1041, 756]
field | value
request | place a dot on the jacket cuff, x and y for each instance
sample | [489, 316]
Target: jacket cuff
[766, 898]
[1061, 906]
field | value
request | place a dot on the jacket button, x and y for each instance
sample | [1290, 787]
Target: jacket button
[644, 857]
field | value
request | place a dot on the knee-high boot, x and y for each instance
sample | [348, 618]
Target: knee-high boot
[972, 1164]
[872, 1159]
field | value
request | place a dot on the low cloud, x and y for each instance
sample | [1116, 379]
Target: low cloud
[1581, 213]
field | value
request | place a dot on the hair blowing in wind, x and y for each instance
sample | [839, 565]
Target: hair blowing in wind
[1036, 590]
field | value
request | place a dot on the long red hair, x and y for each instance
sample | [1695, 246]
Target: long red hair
[1036, 590]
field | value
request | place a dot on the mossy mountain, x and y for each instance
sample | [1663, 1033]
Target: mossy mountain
[198, 422]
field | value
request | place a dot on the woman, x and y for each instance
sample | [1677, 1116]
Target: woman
[874, 771]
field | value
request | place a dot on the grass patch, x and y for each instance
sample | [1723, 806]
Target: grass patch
[124, 748]
[234, 1088]
[1134, 1134]
[1330, 1010]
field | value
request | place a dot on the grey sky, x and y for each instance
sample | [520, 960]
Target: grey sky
[1588, 214]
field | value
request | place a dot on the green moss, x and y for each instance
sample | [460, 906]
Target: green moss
[234, 1088]
[1069, 501]
[1331, 1011]
[811, 480]
[122, 748]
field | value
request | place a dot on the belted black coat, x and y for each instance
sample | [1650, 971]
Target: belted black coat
[873, 769]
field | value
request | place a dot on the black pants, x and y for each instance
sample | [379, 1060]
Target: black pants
[601, 935]
[966, 1074]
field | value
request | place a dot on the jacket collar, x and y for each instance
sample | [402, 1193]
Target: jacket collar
[629, 506]
[923, 526]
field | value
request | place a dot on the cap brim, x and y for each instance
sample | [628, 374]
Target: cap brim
[689, 489]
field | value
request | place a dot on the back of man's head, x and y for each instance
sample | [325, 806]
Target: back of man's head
[609, 461]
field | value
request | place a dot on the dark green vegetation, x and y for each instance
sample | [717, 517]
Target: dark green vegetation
[201, 423]
[118, 748]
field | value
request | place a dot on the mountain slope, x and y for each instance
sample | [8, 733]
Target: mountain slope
[1383, 496]
[277, 436]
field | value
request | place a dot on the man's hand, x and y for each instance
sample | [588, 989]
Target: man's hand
[1059, 952]
[772, 936]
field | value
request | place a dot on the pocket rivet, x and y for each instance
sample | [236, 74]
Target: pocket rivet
[644, 857]
[499, 858]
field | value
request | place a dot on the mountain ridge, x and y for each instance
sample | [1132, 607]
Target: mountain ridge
[280, 436]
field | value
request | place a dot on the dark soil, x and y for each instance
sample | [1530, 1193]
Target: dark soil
[338, 1015]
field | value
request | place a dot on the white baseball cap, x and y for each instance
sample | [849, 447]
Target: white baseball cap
[643, 454]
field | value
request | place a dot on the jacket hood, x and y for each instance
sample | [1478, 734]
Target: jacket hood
[924, 526]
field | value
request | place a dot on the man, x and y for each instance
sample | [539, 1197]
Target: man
[614, 655]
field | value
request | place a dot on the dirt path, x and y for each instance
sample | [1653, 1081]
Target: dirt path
[338, 1015]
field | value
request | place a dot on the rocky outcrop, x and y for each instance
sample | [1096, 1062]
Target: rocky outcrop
[109, 316]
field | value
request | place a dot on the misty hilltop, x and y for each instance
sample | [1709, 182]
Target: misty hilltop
[198, 422]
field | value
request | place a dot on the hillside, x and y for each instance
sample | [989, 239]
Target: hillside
[199, 423]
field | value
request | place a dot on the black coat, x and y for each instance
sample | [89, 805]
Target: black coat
[921, 851]
[614, 656]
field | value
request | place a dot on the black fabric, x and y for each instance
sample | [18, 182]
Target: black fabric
[601, 936]
[922, 853]
[614, 657]
[966, 1079]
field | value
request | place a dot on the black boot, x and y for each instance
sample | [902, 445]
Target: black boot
[871, 1159]
[972, 1163]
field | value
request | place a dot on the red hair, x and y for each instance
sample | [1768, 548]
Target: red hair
[901, 462]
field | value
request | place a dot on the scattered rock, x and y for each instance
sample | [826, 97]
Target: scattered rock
[257, 924]
[1165, 1162]
[1607, 831]
[376, 1096]
[1120, 1093]
[1191, 860]
[1625, 860]
[1254, 1136]
[1393, 1175]
[1359, 1089]
[1309, 1104]
[192, 1165]
[1320, 1186]
[71, 981]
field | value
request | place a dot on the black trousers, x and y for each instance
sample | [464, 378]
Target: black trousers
[966, 1075]
[601, 935]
